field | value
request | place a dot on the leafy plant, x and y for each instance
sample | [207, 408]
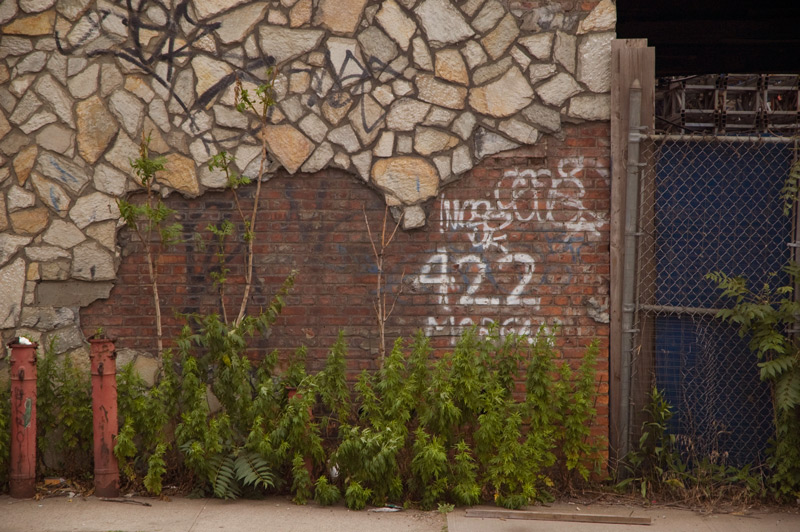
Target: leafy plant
[5, 431]
[64, 412]
[765, 316]
[148, 220]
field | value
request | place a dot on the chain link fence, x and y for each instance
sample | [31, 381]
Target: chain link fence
[706, 204]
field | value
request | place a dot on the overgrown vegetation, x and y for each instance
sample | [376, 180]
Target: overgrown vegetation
[5, 432]
[497, 418]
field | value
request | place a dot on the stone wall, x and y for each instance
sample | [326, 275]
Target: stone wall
[406, 95]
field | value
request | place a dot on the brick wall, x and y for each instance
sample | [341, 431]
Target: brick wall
[522, 239]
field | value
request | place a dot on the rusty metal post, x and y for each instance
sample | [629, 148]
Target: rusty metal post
[22, 473]
[104, 411]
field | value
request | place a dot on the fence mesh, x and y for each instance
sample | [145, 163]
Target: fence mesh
[706, 205]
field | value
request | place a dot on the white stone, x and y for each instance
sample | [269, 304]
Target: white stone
[492, 71]
[594, 61]
[489, 143]
[63, 234]
[10, 244]
[229, 117]
[462, 160]
[341, 160]
[442, 163]
[406, 113]
[127, 109]
[474, 54]
[503, 97]
[93, 263]
[590, 107]
[110, 180]
[51, 194]
[19, 86]
[396, 23]
[422, 56]
[487, 18]
[377, 46]
[439, 116]
[413, 217]
[62, 170]
[7, 11]
[56, 97]
[564, 51]
[284, 44]
[367, 119]
[111, 79]
[519, 131]
[18, 198]
[602, 18]
[209, 8]
[14, 46]
[385, 145]
[33, 62]
[497, 42]
[314, 128]
[362, 163]
[85, 84]
[471, 6]
[345, 137]
[402, 87]
[540, 72]
[236, 25]
[38, 120]
[246, 153]
[543, 117]
[559, 89]
[208, 72]
[383, 94]
[464, 125]
[405, 144]
[520, 57]
[538, 44]
[45, 253]
[437, 92]
[429, 140]
[104, 232]
[345, 57]
[12, 285]
[442, 22]
[158, 112]
[92, 208]
[319, 159]
[25, 108]
[35, 6]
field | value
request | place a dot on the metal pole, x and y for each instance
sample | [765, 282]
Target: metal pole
[104, 411]
[629, 264]
[22, 468]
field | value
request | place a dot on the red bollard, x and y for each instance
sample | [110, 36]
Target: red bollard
[104, 411]
[22, 474]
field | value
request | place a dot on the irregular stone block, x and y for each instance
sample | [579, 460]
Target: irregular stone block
[289, 146]
[92, 262]
[12, 286]
[396, 23]
[442, 22]
[503, 97]
[340, 16]
[410, 179]
[440, 93]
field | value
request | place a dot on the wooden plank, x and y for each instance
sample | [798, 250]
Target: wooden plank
[557, 516]
[630, 59]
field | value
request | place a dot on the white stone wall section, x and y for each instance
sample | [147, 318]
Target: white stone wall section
[407, 94]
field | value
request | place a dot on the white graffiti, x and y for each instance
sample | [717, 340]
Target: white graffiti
[490, 273]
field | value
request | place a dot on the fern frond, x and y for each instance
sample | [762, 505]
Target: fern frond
[252, 470]
[222, 476]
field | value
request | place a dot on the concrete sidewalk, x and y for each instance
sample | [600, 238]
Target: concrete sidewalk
[279, 514]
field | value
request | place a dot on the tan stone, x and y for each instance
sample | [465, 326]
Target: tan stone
[367, 119]
[498, 41]
[442, 22]
[428, 140]
[340, 16]
[5, 127]
[41, 24]
[602, 18]
[180, 173]
[503, 97]
[24, 161]
[208, 72]
[289, 146]
[410, 179]
[300, 14]
[450, 66]
[3, 214]
[438, 92]
[30, 221]
[276, 16]
[236, 25]
[96, 128]
[396, 23]
[137, 86]
[407, 113]
[336, 107]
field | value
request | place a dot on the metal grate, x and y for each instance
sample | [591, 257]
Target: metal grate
[707, 204]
